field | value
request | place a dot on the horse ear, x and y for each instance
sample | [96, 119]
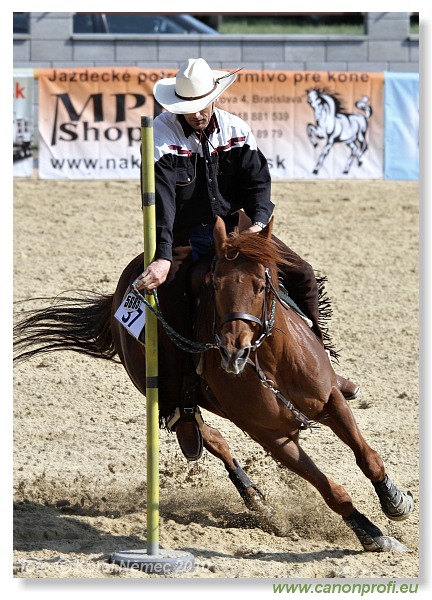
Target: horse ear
[219, 234]
[266, 232]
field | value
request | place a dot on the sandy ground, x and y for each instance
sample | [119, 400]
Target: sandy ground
[79, 424]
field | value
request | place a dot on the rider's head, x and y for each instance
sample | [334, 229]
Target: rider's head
[193, 92]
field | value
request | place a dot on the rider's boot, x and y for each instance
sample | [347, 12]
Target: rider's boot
[350, 390]
[186, 421]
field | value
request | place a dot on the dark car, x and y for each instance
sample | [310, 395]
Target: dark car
[139, 23]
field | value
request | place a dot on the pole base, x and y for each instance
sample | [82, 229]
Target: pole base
[163, 563]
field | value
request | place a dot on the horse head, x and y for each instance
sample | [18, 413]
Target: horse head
[240, 293]
[314, 98]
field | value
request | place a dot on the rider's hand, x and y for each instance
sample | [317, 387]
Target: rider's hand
[253, 229]
[154, 275]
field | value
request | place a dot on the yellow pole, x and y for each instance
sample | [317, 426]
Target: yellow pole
[151, 340]
[153, 559]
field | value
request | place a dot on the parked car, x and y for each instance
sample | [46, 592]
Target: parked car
[21, 22]
[139, 23]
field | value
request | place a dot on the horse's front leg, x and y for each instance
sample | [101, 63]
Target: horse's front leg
[216, 444]
[322, 156]
[396, 504]
[218, 447]
[312, 133]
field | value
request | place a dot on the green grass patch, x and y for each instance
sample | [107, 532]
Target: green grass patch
[317, 25]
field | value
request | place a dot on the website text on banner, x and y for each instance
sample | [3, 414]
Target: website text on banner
[308, 124]
[23, 83]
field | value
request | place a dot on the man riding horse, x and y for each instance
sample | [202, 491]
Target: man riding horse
[207, 164]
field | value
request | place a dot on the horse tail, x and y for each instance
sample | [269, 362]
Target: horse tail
[363, 104]
[81, 324]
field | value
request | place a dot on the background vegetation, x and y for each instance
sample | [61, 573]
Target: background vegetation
[294, 23]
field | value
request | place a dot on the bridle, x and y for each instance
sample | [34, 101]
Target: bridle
[266, 322]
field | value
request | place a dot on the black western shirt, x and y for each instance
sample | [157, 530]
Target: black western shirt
[201, 176]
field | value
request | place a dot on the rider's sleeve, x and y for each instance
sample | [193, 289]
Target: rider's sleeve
[165, 185]
[165, 180]
[255, 182]
[251, 176]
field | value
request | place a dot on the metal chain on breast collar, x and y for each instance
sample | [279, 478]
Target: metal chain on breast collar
[270, 385]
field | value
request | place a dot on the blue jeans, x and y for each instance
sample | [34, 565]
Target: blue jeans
[202, 240]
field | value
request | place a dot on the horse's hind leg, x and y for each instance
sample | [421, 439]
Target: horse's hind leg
[351, 157]
[396, 504]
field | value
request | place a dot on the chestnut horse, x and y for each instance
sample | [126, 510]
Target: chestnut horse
[265, 371]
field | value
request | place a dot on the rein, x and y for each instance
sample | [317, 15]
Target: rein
[192, 346]
[183, 343]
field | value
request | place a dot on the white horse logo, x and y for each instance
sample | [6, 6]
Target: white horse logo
[333, 124]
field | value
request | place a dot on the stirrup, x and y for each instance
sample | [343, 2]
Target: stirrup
[187, 423]
[186, 415]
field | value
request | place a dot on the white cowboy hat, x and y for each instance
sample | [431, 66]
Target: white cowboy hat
[195, 86]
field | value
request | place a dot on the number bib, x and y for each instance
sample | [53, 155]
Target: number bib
[131, 314]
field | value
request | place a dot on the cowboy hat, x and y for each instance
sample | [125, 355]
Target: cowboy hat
[195, 86]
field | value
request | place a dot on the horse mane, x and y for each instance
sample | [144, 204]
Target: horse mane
[339, 106]
[264, 250]
[257, 248]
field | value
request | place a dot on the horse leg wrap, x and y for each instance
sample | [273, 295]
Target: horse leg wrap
[397, 505]
[366, 531]
[371, 538]
[242, 481]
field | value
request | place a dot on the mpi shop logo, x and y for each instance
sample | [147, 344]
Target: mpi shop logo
[95, 118]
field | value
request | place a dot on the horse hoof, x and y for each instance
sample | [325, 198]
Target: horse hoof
[254, 500]
[268, 519]
[386, 543]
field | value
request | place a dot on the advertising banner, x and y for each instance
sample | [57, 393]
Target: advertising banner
[401, 160]
[313, 124]
[89, 121]
[308, 124]
[23, 126]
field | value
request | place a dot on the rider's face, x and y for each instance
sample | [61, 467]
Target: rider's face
[200, 119]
